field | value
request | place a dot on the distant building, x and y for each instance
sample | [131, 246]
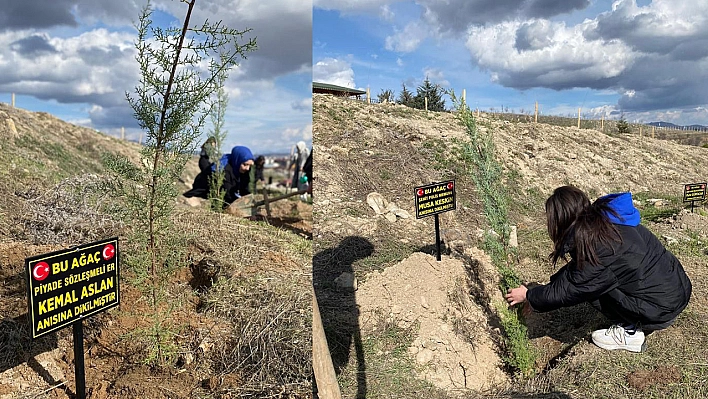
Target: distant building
[339, 91]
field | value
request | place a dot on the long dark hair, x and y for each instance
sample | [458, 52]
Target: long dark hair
[574, 224]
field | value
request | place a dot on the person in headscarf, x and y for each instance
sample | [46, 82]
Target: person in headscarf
[237, 166]
[298, 156]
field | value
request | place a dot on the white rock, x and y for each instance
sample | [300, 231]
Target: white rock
[513, 240]
[377, 202]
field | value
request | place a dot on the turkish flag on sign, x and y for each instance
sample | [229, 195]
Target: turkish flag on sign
[40, 271]
[108, 252]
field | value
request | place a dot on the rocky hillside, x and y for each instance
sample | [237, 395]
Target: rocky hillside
[388, 305]
[231, 314]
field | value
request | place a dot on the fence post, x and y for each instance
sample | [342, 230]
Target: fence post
[535, 113]
[464, 96]
[13, 100]
[368, 95]
[426, 103]
[122, 133]
[602, 123]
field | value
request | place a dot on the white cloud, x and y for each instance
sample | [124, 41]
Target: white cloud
[566, 60]
[353, 5]
[399, 62]
[408, 39]
[94, 67]
[304, 105]
[282, 28]
[296, 134]
[436, 76]
[386, 13]
[334, 71]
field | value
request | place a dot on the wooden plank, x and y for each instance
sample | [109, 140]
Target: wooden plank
[327, 386]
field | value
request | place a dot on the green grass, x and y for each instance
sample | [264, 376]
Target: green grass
[354, 212]
[385, 174]
[384, 368]
[674, 360]
[693, 246]
[651, 213]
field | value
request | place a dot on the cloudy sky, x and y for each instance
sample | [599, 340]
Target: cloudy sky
[646, 58]
[75, 60]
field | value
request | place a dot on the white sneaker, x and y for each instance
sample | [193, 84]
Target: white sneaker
[616, 337]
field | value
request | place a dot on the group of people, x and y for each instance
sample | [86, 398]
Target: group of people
[242, 171]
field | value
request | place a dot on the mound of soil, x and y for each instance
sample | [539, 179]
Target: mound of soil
[419, 293]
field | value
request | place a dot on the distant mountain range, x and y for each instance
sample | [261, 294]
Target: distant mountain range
[678, 127]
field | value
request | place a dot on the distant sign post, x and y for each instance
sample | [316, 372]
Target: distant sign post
[64, 287]
[694, 192]
[434, 199]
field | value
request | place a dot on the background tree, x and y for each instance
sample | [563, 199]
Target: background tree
[623, 126]
[386, 96]
[434, 94]
[405, 97]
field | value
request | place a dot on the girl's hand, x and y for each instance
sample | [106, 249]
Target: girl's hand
[516, 295]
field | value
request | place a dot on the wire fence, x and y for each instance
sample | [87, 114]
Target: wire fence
[692, 135]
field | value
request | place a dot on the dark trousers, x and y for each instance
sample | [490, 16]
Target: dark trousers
[608, 308]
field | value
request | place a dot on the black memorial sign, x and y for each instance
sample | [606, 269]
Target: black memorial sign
[434, 198]
[694, 192]
[67, 286]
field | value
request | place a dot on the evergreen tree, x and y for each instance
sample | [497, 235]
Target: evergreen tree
[386, 96]
[623, 126]
[433, 93]
[180, 69]
[405, 97]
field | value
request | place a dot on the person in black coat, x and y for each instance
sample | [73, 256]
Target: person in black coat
[616, 264]
[200, 187]
[307, 169]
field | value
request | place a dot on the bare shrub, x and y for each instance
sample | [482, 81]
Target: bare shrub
[270, 344]
[71, 212]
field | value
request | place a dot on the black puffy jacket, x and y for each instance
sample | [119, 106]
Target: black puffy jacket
[641, 280]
